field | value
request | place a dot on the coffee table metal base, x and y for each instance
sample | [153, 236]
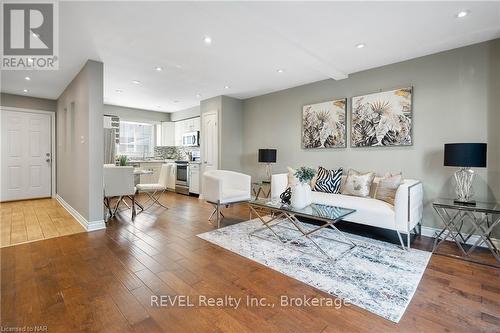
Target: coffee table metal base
[279, 216]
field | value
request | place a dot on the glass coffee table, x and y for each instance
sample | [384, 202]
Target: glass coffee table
[277, 213]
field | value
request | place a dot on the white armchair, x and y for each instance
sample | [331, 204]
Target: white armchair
[118, 182]
[223, 187]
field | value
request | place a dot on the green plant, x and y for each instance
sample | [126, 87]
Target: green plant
[305, 174]
[122, 160]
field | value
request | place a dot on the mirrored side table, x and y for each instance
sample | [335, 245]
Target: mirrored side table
[261, 189]
[463, 223]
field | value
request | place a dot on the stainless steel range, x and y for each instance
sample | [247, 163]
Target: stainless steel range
[182, 179]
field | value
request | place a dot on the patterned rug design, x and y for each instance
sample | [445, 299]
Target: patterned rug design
[377, 276]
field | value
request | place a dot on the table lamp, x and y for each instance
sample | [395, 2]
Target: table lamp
[465, 156]
[267, 156]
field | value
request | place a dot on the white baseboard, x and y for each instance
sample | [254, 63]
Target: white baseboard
[430, 232]
[87, 225]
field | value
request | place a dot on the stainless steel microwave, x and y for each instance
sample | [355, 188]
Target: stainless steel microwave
[191, 139]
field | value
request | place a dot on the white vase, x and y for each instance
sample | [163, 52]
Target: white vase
[301, 196]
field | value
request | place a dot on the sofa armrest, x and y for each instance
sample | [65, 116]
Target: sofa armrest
[278, 184]
[408, 204]
[212, 188]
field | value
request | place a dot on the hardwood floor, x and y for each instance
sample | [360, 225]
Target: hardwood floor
[32, 220]
[104, 280]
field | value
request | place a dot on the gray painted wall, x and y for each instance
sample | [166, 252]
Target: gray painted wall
[455, 98]
[494, 120]
[231, 130]
[80, 142]
[27, 102]
[186, 113]
[138, 115]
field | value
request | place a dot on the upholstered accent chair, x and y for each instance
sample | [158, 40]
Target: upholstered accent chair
[119, 182]
[224, 188]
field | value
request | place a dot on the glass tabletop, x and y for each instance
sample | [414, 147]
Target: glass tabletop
[317, 211]
[486, 207]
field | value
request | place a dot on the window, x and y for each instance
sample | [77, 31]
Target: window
[136, 139]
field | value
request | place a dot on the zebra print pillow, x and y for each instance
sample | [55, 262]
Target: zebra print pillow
[328, 181]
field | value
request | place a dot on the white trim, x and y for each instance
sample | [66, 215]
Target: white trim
[430, 232]
[87, 225]
[52, 115]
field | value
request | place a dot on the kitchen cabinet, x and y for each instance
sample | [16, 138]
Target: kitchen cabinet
[168, 133]
[153, 177]
[184, 126]
[194, 178]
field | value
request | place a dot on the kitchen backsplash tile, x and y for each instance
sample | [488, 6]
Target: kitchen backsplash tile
[174, 152]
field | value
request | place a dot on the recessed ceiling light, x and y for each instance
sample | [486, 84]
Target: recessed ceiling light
[25, 90]
[136, 82]
[158, 68]
[176, 101]
[279, 70]
[27, 78]
[198, 95]
[207, 40]
[360, 45]
[119, 91]
[462, 13]
[158, 106]
[227, 87]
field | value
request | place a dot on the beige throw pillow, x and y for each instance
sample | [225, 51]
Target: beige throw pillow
[292, 180]
[387, 187]
[358, 184]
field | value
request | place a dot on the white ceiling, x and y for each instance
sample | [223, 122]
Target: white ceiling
[251, 40]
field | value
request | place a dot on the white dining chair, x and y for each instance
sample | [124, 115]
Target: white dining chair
[119, 182]
[156, 190]
[225, 188]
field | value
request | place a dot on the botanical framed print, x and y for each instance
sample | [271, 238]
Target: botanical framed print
[324, 125]
[382, 119]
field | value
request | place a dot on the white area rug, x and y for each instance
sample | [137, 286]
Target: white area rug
[377, 276]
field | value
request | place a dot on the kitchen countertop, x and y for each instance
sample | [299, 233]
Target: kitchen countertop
[161, 161]
[151, 161]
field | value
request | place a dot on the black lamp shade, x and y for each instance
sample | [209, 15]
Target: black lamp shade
[267, 155]
[465, 155]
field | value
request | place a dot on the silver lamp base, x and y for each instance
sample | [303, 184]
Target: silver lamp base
[464, 179]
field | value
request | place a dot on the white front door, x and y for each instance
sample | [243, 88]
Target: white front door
[26, 155]
[210, 142]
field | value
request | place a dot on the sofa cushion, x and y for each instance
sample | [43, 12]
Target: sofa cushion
[292, 179]
[358, 184]
[387, 187]
[369, 211]
[328, 181]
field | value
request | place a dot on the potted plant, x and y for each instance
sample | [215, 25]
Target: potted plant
[122, 160]
[301, 192]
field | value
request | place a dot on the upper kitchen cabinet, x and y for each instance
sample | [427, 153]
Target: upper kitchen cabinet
[168, 133]
[185, 126]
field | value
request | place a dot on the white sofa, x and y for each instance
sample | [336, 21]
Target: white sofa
[403, 217]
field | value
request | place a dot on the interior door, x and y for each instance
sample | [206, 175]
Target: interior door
[210, 142]
[26, 155]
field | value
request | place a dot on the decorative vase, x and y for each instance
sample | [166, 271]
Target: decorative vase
[301, 196]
